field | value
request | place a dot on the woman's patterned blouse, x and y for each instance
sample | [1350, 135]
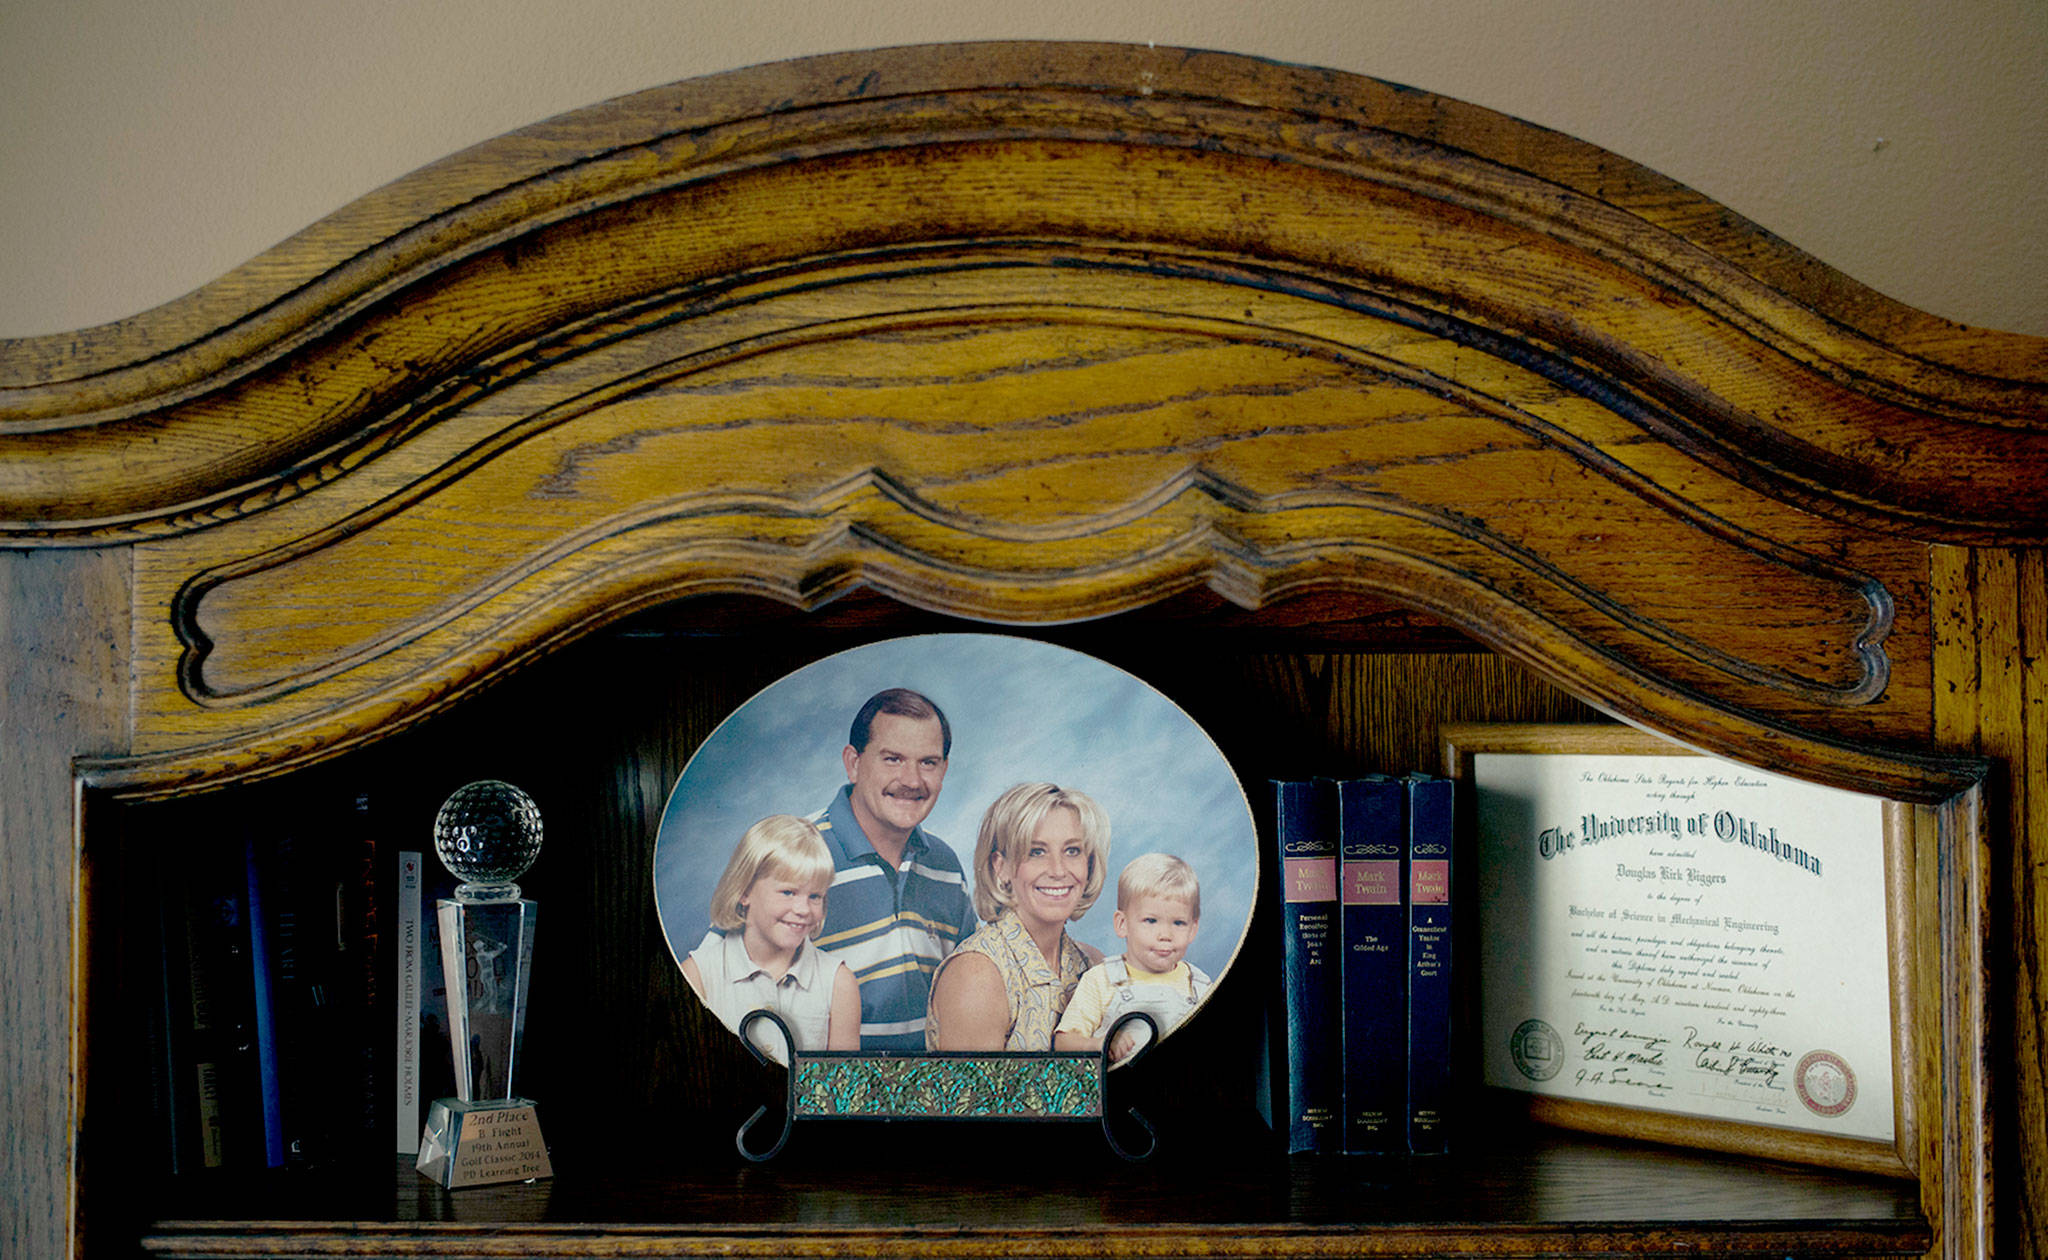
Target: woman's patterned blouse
[1037, 997]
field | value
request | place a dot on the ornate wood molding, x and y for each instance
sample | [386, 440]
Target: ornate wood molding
[989, 434]
[1615, 283]
[1031, 333]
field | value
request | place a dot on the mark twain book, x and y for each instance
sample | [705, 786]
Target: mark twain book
[1306, 828]
[1372, 832]
[1429, 963]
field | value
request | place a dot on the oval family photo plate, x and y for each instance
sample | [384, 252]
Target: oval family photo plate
[956, 842]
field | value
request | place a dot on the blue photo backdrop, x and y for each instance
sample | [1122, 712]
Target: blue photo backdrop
[1020, 711]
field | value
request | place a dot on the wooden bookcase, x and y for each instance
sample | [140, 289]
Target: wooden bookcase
[1336, 410]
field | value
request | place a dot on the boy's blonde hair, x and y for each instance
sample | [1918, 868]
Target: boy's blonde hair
[1159, 875]
[779, 846]
[1007, 828]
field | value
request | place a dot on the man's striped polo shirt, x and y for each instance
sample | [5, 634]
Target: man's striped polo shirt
[891, 926]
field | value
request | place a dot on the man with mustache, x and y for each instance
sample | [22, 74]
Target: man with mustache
[899, 902]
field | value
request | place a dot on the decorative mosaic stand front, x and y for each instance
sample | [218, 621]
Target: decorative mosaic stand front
[999, 1085]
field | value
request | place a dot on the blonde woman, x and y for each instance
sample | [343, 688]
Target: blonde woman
[1038, 866]
[768, 905]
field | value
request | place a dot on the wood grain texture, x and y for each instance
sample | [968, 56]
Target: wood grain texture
[1143, 452]
[68, 614]
[1119, 437]
[1589, 1199]
[618, 134]
[1992, 697]
[1513, 240]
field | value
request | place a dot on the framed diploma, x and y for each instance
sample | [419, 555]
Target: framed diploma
[1677, 948]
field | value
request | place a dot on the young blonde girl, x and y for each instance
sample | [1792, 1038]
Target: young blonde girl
[767, 907]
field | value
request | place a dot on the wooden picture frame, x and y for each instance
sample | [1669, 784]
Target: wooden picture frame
[1897, 1156]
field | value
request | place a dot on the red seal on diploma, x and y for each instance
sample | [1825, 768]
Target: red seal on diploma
[1825, 1083]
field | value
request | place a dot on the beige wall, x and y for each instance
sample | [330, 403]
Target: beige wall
[149, 145]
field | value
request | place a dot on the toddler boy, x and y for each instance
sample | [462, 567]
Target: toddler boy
[1158, 909]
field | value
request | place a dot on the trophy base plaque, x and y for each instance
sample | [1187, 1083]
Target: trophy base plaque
[482, 1143]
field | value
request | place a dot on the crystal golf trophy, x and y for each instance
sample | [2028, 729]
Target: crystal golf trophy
[486, 834]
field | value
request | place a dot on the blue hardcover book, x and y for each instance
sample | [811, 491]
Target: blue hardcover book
[1372, 831]
[219, 1010]
[263, 961]
[1305, 824]
[1429, 963]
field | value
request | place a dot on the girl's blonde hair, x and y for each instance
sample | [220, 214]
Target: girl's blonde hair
[779, 846]
[1007, 829]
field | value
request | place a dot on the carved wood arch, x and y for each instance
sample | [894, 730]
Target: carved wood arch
[1031, 333]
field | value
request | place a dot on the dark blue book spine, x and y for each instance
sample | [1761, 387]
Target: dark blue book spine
[263, 960]
[1372, 831]
[1429, 964]
[1306, 827]
[221, 1066]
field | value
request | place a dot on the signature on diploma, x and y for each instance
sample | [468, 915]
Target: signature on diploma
[1755, 1062]
[1622, 1057]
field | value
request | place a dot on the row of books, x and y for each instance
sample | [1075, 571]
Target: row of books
[1366, 962]
[288, 962]
[284, 960]
[269, 947]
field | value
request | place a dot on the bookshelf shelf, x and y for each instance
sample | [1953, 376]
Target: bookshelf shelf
[1335, 411]
[1533, 1194]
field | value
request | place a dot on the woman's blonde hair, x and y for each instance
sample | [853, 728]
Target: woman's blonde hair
[779, 846]
[1007, 829]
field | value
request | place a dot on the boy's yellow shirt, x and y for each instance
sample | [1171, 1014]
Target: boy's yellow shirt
[1179, 974]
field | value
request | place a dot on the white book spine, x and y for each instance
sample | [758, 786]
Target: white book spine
[409, 945]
